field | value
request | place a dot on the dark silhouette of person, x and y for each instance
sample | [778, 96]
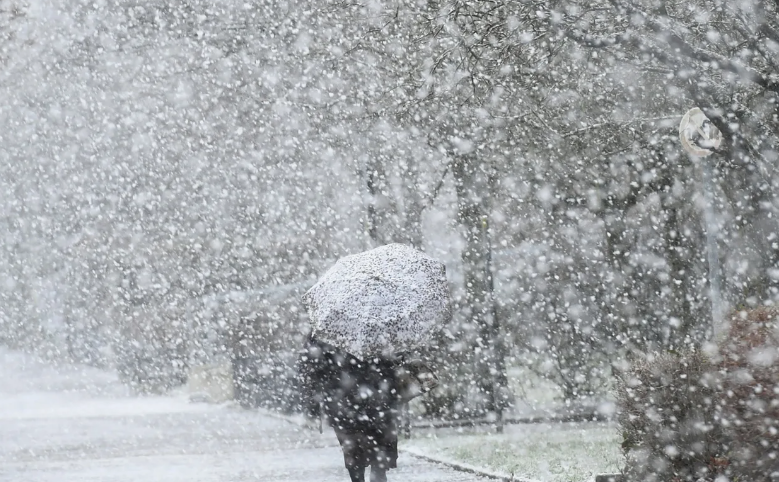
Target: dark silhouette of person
[360, 400]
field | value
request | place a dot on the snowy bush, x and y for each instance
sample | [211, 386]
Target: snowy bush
[263, 351]
[749, 398]
[667, 406]
[152, 351]
[696, 416]
[148, 369]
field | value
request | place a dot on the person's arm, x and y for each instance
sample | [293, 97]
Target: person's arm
[414, 378]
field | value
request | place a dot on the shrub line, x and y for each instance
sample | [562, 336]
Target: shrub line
[576, 417]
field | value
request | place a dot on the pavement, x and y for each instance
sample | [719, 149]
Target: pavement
[67, 423]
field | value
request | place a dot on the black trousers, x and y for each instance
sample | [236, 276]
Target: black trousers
[369, 448]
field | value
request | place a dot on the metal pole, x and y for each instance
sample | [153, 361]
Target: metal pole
[695, 128]
[498, 355]
[712, 249]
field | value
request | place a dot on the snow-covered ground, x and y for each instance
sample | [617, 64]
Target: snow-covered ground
[544, 452]
[71, 423]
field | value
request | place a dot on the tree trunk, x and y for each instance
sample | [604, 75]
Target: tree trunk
[386, 223]
[481, 330]
[382, 211]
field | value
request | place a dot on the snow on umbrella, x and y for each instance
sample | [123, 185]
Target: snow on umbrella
[387, 300]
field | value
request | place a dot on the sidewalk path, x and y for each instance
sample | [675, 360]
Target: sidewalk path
[73, 423]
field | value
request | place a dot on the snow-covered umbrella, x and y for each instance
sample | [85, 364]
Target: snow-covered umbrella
[386, 300]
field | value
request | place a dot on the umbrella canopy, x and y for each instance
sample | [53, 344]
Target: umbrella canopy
[387, 300]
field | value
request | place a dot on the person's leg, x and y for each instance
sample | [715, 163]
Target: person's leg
[357, 474]
[353, 456]
[378, 473]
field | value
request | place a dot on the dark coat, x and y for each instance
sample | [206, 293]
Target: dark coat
[359, 398]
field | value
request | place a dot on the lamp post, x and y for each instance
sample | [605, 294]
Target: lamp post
[699, 138]
[712, 249]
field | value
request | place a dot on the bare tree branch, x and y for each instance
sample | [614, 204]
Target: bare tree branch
[438, 186]
[596, 42]
[742, 71]
[679, 47]
[612, 123]
[766, 30]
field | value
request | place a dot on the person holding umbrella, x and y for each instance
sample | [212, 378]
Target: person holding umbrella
[366, 312]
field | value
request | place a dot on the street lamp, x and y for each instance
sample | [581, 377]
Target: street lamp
[699, 138]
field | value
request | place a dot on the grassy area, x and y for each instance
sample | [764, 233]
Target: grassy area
[564, 452]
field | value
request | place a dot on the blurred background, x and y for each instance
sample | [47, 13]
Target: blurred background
[175, 174]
